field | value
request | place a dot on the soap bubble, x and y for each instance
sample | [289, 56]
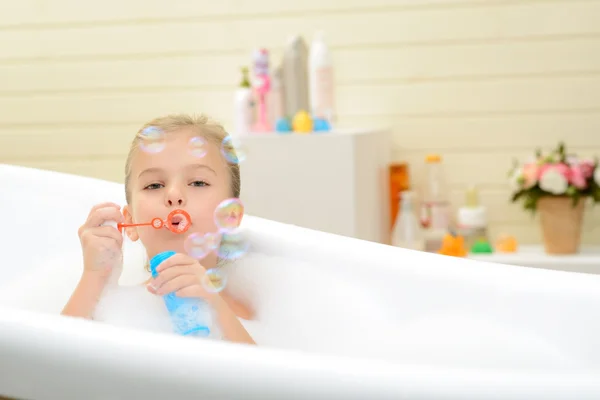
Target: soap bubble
[152, 140]
[233, 150]
[199, 246]
[234, 244]
[198, 146]
[213, 240]
[228, 214]
[214, 280]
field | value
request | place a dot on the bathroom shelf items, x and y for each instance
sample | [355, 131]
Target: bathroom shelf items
[586, 261]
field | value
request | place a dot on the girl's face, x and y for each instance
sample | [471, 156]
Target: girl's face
[176, 178]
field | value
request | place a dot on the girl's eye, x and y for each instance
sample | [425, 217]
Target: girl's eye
[153, 186]
[199, 183]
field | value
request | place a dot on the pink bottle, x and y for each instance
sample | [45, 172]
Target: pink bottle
[262, 86]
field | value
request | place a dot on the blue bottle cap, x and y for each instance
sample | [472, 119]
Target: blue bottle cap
[321, 125]
[157, 259]
[283, 125]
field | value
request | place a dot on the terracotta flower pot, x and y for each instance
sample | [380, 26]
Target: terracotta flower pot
[561, 224]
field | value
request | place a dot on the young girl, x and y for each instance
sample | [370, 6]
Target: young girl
[172, 173]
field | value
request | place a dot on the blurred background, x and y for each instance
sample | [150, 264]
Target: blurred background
[479, 82]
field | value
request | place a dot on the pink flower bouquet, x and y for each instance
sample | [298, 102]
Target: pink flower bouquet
[555, 174]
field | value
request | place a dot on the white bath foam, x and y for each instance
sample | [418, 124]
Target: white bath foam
[459, 340]
[133, 307]
[344, 318]
[134, 270]
[46, 287]
[332, 315]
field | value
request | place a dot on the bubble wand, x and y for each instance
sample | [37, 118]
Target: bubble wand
[178, 221]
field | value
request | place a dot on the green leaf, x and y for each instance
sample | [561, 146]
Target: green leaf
[538, 152]
[596, 195]
[516, 196]
[530, 203]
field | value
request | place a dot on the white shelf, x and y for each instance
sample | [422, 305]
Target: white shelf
[334, 181]
[586, 261]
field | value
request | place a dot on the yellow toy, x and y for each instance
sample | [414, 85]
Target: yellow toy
[302, 122]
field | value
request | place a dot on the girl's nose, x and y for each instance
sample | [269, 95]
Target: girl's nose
[175, 197]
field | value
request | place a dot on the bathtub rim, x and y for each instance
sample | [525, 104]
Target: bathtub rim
[51, 337]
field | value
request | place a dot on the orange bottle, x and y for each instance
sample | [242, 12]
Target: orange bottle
[398, 182]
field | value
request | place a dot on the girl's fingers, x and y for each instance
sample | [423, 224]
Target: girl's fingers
[104, 214]
[107, 232]
[172, 273]
[191, 291]
[177, 284]
[179, 259]
[103, 205]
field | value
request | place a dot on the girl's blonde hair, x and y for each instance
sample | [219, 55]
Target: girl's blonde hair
[206, 128]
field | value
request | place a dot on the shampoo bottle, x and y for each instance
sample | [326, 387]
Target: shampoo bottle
[407, 231]
[472, 219]
[244, 105]
[295, 76]
[262, 88]
[321, 85]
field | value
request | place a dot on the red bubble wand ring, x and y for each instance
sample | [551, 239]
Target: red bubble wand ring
[178, 221]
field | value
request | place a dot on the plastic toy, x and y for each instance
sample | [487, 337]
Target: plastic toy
[507, 244]
[178, 221]
[321, 125]
[453, 245]
[262, 86]
[302, 122]
[283, 125]
[482, 246]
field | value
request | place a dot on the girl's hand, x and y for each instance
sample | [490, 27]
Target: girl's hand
[183, 275]
[101, 245]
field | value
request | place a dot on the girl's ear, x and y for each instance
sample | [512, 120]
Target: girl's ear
[237, 215]
[131, 231]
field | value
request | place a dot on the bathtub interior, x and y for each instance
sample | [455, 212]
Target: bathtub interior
[326, 294]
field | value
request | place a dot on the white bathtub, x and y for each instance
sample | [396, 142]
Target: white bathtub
[336, 318]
